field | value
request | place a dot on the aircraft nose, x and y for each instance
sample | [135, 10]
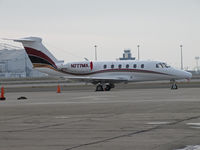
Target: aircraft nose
[183, 74]
[188, 75]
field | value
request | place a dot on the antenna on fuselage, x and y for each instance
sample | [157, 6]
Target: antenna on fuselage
[86, 59]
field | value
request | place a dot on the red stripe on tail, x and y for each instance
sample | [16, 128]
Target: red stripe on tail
[31, 51]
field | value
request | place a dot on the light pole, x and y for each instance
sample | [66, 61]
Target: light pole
[181, 46]
[197, 62]
[95, 46]
[138, 46]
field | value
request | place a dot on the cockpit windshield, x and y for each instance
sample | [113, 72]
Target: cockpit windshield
[162, 65]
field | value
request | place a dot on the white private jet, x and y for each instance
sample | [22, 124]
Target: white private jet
[104, 74]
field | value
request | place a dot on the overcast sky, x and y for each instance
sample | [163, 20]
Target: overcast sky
[71, 28]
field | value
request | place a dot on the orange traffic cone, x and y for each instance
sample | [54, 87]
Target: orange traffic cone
[2, 94]
[58, 89]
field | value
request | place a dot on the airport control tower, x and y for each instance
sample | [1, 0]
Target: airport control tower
[127, 55]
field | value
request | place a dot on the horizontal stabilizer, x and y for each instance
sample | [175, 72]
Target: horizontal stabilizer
[27, 39]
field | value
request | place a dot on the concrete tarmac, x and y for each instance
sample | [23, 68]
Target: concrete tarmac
[46, 87]
[122, 119]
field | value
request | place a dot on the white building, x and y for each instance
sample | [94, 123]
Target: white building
[14, 63]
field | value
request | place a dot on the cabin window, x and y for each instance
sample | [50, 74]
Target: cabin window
[112, 66]
[105, 66]
[127, 66]
[119, 66]
[142, 65]
[134, 66]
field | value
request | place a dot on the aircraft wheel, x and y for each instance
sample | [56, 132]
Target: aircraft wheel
[99, 87]
[174, 86]
[107, 88]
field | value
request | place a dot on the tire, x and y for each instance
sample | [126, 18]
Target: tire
[174, 87]
[107, 88]
[99, 88]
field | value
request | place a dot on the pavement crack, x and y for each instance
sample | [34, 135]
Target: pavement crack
[130, 134]
[182, 120]
[34, 128]
[113, 138]
[14, 118]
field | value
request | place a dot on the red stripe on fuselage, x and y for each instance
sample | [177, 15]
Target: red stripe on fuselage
[31, 51]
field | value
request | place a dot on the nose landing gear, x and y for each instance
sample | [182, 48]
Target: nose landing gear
[174, 85]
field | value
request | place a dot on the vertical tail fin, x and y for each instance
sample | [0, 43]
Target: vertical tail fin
[38, 53]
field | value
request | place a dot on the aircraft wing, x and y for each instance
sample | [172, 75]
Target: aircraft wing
[100, 79]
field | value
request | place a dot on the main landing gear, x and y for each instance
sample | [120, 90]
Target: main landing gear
[104, 87]
[174, 85]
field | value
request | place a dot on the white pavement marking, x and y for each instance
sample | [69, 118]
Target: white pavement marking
[193, 124]
[158, 123]
[191, 147]
[62, 117]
